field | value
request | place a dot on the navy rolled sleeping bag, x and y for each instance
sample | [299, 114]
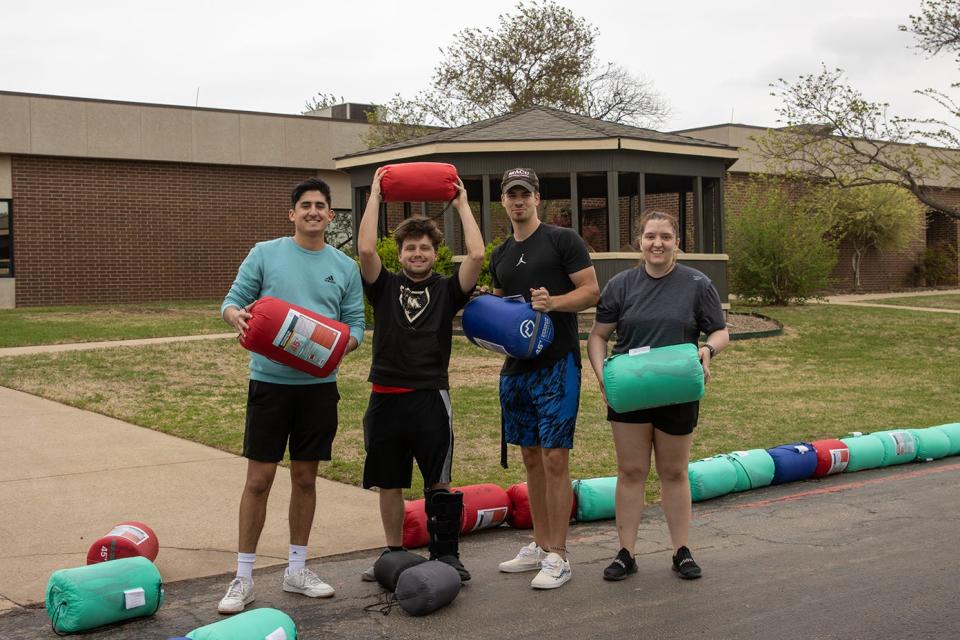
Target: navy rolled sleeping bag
[792, 462]
[508, 326]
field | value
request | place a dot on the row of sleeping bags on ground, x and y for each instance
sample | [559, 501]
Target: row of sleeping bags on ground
[488, 505]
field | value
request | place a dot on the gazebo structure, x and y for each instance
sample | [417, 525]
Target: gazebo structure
[595, 177]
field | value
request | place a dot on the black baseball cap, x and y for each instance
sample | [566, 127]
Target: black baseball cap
[520, 177]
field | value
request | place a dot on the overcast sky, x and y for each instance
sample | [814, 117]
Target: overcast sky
[713, 61]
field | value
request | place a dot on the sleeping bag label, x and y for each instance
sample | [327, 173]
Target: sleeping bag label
[307, 338]
[279, 634]
[839, 459]
[487, 518]
[134, 534]
[133, 598]
[486, 344]
[904, 443]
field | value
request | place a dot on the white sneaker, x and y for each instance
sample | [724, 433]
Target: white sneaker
[528, 559]
[369, 575]
[307, 583]
[239, 595]
[554, 572]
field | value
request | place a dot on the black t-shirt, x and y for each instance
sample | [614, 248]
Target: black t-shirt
[413, 328]
[545, 259]
[657, 312]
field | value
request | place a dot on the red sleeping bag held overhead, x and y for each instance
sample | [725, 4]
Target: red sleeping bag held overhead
[295, 336]
[520, 517]
[419, 182]
[484, 506]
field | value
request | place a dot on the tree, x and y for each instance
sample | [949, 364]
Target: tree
[321, 101]
[778, 244]
[541, 55]
[832, 132]
[881, 217]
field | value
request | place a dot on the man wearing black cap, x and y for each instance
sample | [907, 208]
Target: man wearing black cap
[550, 267]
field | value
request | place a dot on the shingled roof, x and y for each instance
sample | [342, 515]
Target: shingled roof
[540, 124]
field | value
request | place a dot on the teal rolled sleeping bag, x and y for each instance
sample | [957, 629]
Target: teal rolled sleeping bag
[932, 443]
[866, 452]
[255, 624]
[595, 498]
[899, 446]
[95, 595]
[644, 378]
[754, 469]
[953, 433]
[711, 477]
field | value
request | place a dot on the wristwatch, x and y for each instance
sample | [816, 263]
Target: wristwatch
[713, 352]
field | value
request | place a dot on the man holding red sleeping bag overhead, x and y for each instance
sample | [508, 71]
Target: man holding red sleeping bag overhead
[284, 403]
[409, 415]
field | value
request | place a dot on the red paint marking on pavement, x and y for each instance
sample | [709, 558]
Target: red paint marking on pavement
[838, 488]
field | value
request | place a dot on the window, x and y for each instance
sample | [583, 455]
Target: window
[6, 239]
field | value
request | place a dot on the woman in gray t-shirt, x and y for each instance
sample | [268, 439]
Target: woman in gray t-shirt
[657, 304]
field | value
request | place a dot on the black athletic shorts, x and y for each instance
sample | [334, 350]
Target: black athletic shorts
[399, 428]
[304, 414]
[675, 419]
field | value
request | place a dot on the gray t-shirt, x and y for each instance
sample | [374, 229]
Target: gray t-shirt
[656, 312]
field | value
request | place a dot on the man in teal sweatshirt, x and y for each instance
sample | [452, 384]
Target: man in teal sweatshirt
[283, 404]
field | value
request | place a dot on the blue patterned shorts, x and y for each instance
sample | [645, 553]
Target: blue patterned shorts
[539, 408]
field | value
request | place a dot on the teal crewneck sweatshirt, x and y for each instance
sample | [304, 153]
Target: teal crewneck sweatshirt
[326, 282]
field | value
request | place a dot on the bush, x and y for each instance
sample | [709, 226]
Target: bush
[778, 250]
[937, 266]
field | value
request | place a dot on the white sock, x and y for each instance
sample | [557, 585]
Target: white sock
[245, 565]
[297, 557]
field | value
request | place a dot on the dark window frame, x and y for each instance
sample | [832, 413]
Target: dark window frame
[9, 203]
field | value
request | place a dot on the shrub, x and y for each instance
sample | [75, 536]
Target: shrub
[778, 249]
[937, 266]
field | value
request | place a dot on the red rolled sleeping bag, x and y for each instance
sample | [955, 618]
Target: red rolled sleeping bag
[419, 182]
[125, 540]
[833, 456]
[484, 506]
[295, 336]
[520, 517]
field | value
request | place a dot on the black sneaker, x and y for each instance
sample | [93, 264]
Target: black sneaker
[622, 566]
[684, 565]
[454, 562]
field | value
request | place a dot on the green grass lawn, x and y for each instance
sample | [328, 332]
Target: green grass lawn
[836, 369]
[943, 301]
[55, 325]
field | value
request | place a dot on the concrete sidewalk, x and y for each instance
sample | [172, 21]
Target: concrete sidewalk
[866, 300]
[67, 476]
[103, 344]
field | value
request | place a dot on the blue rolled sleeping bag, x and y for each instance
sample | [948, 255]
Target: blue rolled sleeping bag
[255, 624]
[508, 326]
[95, 595]
[644, 377]
[792, 462]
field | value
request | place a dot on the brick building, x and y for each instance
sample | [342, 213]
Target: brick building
[104, 201]
[879, 271]
[110, 202]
